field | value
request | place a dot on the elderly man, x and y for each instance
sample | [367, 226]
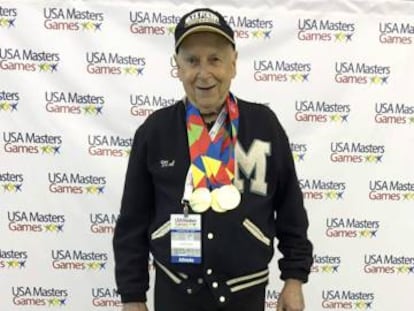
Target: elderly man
[210, 183]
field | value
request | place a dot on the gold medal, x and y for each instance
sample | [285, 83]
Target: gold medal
[215, 205]
[228, 197]
[200, 200]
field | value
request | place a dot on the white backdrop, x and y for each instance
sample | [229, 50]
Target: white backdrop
[78, 77]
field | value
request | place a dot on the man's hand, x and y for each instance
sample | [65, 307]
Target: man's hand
[291, 297]
[134, 306]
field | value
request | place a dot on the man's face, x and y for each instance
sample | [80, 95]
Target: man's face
[206, 65]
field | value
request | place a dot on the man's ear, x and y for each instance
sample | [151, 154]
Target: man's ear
[234, 63]
[176, 61]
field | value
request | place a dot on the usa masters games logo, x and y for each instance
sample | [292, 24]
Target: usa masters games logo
[298, 151]
[109, 146]
[325, 30]
[25, 296]
[74, 103]
[31, 143]
[105, 297]
[396, 33]
[388, 264]
[281, 71]
[11, 182]
[101, 223]
[391, 190]
[326, 264]
[7, 17]
[12, 259]
[333, 299]
[393, 113]
[72, 19]
[22, 221]
[353, 152]
[63, 259]
[361, 73]
[351, 228]
[9, 101]
[142, 105]
[75, 183]
[28, 60]
[317, 189]
[101, 63]
[271, 298]
[152, 23]
[321, 112]
[250, 28]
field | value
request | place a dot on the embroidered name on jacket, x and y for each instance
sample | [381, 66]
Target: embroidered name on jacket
[252, 161]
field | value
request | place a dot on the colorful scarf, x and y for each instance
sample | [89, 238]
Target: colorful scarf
[212, 161]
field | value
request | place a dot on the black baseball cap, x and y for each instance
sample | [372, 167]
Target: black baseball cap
[202, 20]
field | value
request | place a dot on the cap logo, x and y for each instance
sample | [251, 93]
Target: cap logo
[201, 17]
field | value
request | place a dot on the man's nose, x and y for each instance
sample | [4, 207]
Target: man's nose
[204, 70]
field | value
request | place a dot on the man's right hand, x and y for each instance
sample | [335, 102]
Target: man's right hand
[134, 306]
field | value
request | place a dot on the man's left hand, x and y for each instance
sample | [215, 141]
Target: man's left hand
[291, 297]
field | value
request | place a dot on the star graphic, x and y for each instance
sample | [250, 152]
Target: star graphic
[349, 36]
[301, 157]
[101, 189]
[56, 149]
[54, 302]
[102, 265]
[255, 33]
[360, 305]
[369, 304]
[340, 36]
[373, 233]
[44, 67]
[99, 110]
[335, 268]
[62, 302]
[411, 270]
[171, 29]
[335, 117]
[379, 158]
[344, 118]
[98, 26]
[384, 80]
[305, 77]
[327, 269]
[340, 195]
[376, 80]
[22, 264]
[14, 106]
[13, 264]
[267, 34]
[54, 67]
[18, 187]
[364, 233]
[130, 70]
[59, 228]
[11, 22]
[88, 25]
[4, 22]
[140, 71]
[127, 152]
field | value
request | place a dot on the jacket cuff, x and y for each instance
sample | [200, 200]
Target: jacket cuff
[293, 274]
[133, 297]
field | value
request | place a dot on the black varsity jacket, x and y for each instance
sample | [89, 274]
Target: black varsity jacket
[236, 245]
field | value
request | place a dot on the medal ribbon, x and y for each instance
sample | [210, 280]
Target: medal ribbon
[212, 154]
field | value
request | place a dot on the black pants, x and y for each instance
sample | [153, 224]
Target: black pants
[167, 297]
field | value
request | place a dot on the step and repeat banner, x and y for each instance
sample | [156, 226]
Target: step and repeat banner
[78, 77]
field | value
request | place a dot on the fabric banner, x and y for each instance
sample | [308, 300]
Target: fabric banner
[78, 77]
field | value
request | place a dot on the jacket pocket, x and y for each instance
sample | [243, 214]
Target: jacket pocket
[256, 232]
[161, 231]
